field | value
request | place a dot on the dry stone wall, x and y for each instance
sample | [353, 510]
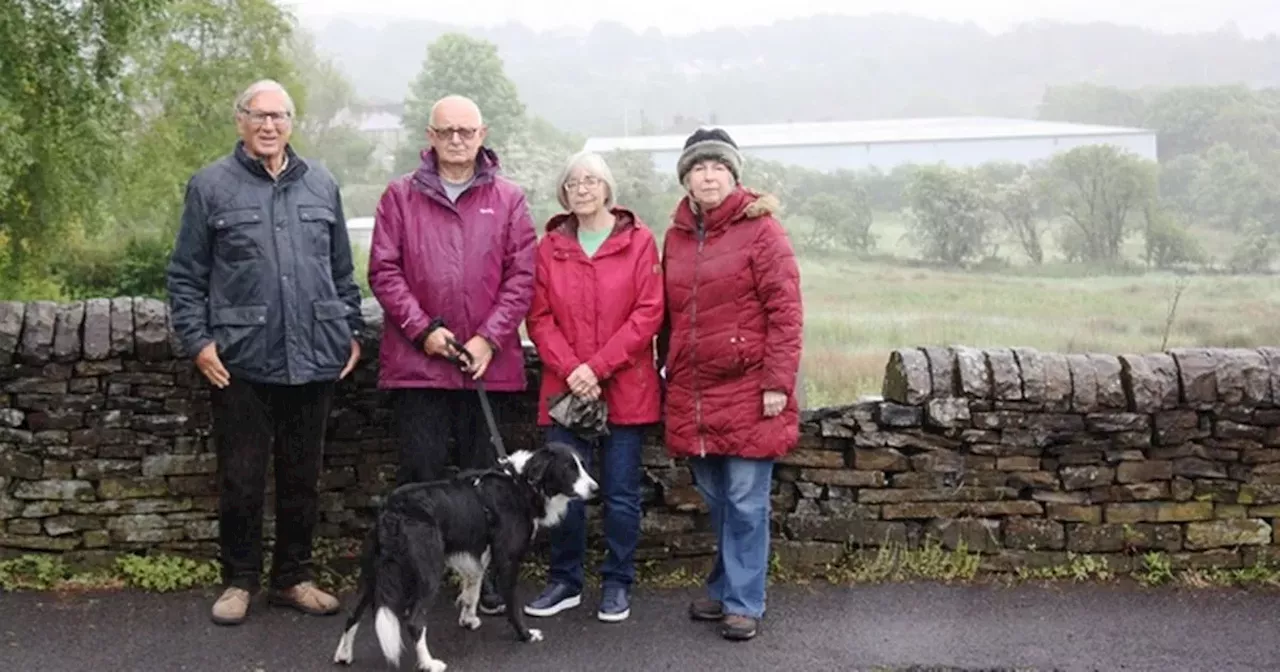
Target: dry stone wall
[1022, 456]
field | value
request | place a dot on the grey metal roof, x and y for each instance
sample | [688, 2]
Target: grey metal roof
[864, 132]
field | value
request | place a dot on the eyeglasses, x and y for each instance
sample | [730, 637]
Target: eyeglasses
[447, 133]
[590, 182]
[258, 117]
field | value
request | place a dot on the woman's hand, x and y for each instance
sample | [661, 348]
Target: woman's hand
[583, 383]
[774, 403]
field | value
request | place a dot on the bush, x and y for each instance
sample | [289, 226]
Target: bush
[135, 267]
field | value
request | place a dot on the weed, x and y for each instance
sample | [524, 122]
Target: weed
[166, 573]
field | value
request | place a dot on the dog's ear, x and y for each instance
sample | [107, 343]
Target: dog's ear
[536, 468]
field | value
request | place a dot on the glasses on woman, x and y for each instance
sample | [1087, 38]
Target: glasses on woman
[590, 182]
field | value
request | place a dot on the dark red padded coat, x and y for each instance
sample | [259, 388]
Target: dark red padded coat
[734, 323]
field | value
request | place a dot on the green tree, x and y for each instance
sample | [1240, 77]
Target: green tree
[1020, 206]
[61, 107]
[1095, 188]
[327, 133]
[1227, 190]
[840, 221]
[459, 64]
[948, 216]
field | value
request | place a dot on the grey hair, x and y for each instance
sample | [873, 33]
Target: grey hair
[593, 164]
[263, 86]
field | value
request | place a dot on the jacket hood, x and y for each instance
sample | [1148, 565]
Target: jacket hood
[742, 203]
[427, 175]
[567, 224]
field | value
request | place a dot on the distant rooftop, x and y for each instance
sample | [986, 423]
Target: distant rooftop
[868, 132]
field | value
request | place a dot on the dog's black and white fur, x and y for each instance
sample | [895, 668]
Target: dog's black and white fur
[464, 523]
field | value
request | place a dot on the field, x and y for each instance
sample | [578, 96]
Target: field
[857, 312]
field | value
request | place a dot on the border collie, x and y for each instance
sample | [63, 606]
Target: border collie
[464, 523]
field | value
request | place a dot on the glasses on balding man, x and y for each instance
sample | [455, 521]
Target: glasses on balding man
[590, 182]
[447, 133]
[258, 117]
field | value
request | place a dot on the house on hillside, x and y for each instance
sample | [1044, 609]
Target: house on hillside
[886, 144]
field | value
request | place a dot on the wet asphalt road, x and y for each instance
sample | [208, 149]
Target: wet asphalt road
[891, 627]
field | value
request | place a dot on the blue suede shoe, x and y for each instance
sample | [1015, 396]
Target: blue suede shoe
[615, 605]
[556, 598]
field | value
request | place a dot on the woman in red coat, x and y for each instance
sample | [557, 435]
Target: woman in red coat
[732, 353]
[597, 307]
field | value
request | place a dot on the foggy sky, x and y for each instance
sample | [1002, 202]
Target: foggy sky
[1253, 18]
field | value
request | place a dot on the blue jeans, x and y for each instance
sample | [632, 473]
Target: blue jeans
[737, 493]
[619, 480]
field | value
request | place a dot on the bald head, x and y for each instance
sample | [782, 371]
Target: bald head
[456, 109]
[456, 132]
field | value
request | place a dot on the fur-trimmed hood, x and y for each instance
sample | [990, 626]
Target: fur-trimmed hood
[741, 204]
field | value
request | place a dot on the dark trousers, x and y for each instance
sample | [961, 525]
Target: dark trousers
[253, 423]
[619, 477]
[443, 429]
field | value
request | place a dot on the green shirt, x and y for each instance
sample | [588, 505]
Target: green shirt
[592, 240]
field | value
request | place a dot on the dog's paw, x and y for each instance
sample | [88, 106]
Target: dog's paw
[469, 621]
[535, 635]
[433, 666]
[342, 658]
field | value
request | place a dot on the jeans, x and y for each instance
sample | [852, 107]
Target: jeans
[427, 419]
[253, 423]
[620, 490]
[737, 493]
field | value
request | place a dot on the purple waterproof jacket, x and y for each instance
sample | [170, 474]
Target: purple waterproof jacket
[470, 265]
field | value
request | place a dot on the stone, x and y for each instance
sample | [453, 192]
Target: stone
[11, 417]
[97, 329]
[961, 509]
[906, 377]
[1018, 463]
[1110, 538]
[54, 489]
[880, 459]
[1107, 376]
[1243, 377]
[66, 332]
[896, 415]
[1158, 512]
[938, 461]
[844, 477]
[201, 530]
[1084, 384]
[37, 332]
[1150, 381]
[92, 470]
[1226, 429]
[1176, 427]
[960, 494]
[1117, 422]
[1035, 535]
[942, 371]
[974, 535]
[38, 542]
[1031, 367]
[1085, 477]
[11, 316]
[14, 464]
[151, 329]
[855, 531]
[58, 526]
[1144, 471]
[825, 459]
[1195, 467]
[179, 465]
[132, 488]
[1057, 381]
[835, 428]
[1198, 375]
[1272, 357]
[948, 412]
[1074, 513]
[972, 368]
[121, 326]
[1227, 533]
[1006, 379]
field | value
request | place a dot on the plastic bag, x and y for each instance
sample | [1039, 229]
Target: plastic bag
[588, 419]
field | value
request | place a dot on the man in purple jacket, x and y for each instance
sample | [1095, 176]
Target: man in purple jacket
[452, 256]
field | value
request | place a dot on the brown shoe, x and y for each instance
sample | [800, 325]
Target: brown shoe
[305, 597]
[738, 628]
[232, 607]
[706, 609]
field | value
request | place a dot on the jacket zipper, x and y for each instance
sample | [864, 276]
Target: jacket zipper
[693, 339]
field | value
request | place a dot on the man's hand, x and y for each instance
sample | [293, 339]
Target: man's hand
[352, 360]
[583, 383]
[774, 403]
[211, 366]
[438, 343]
[479, 348]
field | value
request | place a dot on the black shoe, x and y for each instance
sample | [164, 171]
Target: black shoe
[491, 603]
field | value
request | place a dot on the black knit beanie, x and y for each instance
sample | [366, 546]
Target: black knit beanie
[710, 143]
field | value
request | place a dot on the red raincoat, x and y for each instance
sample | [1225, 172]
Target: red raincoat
[603, 310]
[735, 323]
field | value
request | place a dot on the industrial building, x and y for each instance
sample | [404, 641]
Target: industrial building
[885, 144]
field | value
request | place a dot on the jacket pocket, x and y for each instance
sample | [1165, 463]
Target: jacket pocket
[317, 226]
[330, 333]
[236, 234]
[240, 332]
[723, 356]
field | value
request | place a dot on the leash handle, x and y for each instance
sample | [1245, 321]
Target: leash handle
[463, 359]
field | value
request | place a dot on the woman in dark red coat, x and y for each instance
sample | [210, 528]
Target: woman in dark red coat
[732, 354]
[597, 307]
